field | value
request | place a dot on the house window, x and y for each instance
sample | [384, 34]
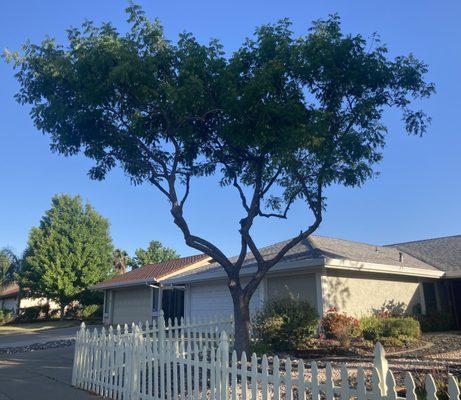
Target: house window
[430, 297]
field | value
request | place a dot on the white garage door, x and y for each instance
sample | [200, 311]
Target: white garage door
[132, 305]
[213, 299]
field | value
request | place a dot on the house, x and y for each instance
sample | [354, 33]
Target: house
[138, 295]
[9, 299]
[354, 277]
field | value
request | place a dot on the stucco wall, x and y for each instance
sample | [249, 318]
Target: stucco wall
[358, 293]
[302, 287]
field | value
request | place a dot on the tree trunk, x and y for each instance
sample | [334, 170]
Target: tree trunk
[241, 322]
[63, 308]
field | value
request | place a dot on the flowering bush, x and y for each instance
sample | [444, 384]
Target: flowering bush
[340, 326]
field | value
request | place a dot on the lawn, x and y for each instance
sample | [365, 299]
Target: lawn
[32, 327]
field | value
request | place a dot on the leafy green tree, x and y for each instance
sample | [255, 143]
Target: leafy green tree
[280, 119]
[69, 251]
[155, 253]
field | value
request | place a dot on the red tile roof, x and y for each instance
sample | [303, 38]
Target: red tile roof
[10, 291]
[151, 272]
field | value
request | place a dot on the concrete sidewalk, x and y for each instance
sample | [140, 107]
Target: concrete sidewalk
[40, 375]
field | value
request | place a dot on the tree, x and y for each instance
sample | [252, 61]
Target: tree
[121, 260]
[155, 253]
[69, 251]
[279, 120]
[9, 265]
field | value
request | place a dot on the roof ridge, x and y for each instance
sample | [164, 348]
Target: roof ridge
[174, 259]
[348, 240]
[421, 240]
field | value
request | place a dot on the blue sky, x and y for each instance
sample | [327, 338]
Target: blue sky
[417, 195]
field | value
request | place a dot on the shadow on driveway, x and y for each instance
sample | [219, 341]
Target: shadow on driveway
[40, 375]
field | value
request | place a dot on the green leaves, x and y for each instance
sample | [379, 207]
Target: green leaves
[282, 114]
[155, 253]
[69, 251]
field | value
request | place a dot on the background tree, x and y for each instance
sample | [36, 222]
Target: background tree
[69, 251]
[155, 253]
[9, 265]
[280, 120]
[121, 261]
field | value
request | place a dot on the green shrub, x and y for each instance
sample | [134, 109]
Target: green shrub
[6, 316]
[401, 326]
[371, 327]
[285, 324]
[378, 327]
[91, 311]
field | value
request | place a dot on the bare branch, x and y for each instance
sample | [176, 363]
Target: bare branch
[241, 193]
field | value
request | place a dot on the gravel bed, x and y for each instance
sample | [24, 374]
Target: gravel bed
[37, 346]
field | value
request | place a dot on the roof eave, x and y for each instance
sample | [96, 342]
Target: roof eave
[138, 282]
[349, 265]
[221, 274]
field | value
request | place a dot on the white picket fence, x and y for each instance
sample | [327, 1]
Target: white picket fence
[189, 361]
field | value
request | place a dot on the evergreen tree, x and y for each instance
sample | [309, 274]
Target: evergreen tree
[69, 251]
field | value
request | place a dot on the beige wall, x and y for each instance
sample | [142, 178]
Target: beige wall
[10, 303]
[358, 293]
[302, 287]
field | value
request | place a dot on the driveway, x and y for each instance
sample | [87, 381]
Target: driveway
[25, 339]
[40, 375]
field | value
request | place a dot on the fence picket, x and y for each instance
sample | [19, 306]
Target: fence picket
[315, 394]
[244, 375]
[361, 386]
[329, 381]
[276, 377]
[431, 388]
[288, 385]
[301, 382]
[344, 383]
[390, 384]
[453, 387]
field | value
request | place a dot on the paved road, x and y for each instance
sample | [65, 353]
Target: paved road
[24, 339]
[40, 375]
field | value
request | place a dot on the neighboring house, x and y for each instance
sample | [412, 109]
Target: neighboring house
[9, 299]
[354, 277]
[138, 295]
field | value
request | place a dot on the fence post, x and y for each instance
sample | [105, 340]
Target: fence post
[382, 368]
[135, 340]
[77, 362]
[224, 355]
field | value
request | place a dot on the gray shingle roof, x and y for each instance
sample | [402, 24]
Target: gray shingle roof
[443, 253]
[327, 247]
[364, 252]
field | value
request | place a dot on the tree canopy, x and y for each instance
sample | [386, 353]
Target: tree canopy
[69, 251]
[155, 253]
[280, 119]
